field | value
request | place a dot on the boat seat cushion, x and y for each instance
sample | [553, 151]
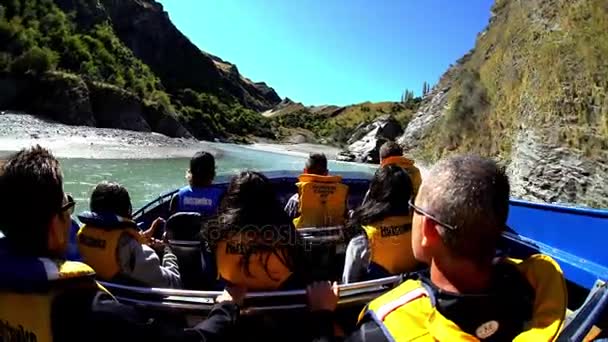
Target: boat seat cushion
[184, 226]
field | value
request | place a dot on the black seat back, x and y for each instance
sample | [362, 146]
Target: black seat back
[325, 249]
[183, 234]
[184, 226]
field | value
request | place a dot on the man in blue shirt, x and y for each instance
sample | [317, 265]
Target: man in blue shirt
[199, 196]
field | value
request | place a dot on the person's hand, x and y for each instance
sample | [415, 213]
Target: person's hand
[148, 234]
[235, 294]
[322, 296]
[156, 244]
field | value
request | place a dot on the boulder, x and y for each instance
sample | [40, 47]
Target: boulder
[365, 143]
[116, 108]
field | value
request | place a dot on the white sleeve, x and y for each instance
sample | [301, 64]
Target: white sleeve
[357, 260]
[141, 263]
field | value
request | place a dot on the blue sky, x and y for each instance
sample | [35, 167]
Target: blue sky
[335, 51]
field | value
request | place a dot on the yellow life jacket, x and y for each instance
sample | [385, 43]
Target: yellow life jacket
[267, 269]
[408, 166]
[407, 313]
[390, 243]
[99, 248]
[26, 316]
[322, 201]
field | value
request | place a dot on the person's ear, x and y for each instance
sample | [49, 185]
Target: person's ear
[58, 235]
[430, 234]
[305, 171]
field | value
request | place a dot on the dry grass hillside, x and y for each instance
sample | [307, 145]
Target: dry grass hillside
[541, 65]
[335, 124]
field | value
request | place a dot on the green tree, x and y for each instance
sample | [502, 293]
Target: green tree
[407, 96]
[426, 88]
[36, 60]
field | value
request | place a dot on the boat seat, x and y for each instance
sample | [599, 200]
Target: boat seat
[325, 248]
[185, 226]
[182, 233]
[585, 324]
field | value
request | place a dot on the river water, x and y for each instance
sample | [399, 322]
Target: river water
[147, 178]
[148, 164]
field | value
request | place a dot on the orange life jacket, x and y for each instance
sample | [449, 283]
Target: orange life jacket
[26, 315]
[267, 268]
[99, 248]
[322, 201]
[390, 244]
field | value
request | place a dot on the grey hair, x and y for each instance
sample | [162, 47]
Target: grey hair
[472, 194]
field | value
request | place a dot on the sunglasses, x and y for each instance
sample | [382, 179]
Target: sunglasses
[423, 212]
[69, 206]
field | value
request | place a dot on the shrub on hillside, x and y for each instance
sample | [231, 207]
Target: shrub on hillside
[36, 60]
[469, 105]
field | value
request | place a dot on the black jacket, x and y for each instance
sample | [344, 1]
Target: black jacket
[80, 316]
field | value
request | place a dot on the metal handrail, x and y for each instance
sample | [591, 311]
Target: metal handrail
[344, 288]
[320, 229]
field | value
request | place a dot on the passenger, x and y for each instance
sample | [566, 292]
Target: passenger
[321, 199]
[199, 196]
[392, 153]
[45, 298]
[385, 219]
[255, 242]
[468, 294]
[112, 245]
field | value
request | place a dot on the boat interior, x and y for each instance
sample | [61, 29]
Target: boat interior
[574, 237]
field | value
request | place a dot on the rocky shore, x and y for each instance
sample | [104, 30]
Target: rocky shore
[19, 130]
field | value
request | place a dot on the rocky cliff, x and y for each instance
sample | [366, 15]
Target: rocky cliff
[343, 125]
[533, 93]
[123, 64]
[146, 29]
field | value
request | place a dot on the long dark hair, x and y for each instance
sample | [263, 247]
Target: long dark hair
[251, 207]
[389, 193]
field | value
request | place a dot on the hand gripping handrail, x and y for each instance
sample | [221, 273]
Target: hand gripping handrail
[188, 301]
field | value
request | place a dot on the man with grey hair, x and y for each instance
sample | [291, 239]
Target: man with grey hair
[460, 213]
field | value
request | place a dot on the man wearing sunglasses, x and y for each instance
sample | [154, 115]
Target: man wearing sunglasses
[45, 298]
[467, 294]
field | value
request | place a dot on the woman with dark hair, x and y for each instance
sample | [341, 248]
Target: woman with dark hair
[384, 220]
[256, 245]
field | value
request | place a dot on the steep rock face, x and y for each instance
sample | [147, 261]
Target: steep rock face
[533, 93]
[164, 122]
[364, 145]
[87, 13]
[424, 119]
[11, 88]
[116, 108]
[64, 98]
[58, 96]
[555, 174]
[258, 96]
[286, 106]
[146, 29]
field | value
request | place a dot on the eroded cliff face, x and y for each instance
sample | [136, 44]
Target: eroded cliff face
[533, 94]
[147, 30]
